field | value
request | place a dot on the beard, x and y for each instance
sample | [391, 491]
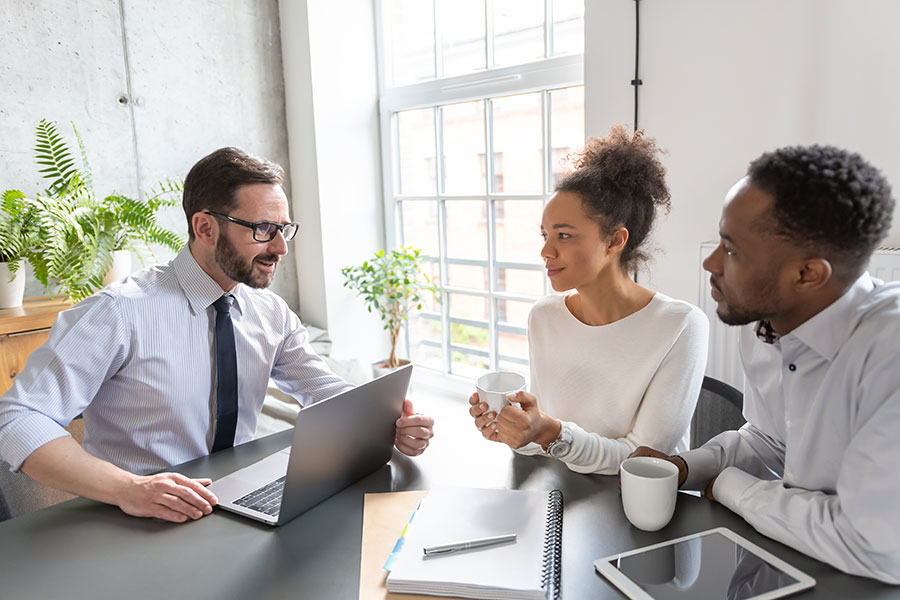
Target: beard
[236, 269]
[742, 315]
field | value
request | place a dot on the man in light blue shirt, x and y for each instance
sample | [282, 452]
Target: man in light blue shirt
[139, 358]
[815, 467]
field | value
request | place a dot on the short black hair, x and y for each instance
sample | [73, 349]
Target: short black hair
[621, 181]
[213, 183]
[828, 199]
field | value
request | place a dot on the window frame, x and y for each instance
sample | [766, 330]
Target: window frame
[542, 76]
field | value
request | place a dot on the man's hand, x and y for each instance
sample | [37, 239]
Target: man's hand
[413, 431]
[675, 460]
[168, 496]
[708, 492]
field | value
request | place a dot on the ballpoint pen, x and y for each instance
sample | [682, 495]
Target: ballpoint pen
[468, 545]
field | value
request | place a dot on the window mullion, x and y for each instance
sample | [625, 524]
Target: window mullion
[491, 224]
[442, 238]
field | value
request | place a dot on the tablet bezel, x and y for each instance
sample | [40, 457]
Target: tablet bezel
[633, 591]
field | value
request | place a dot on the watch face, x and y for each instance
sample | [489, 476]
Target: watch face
[559, 448]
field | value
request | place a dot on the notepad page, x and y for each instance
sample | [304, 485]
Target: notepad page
[453, 515]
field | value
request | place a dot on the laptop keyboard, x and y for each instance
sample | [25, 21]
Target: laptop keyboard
[266, 499]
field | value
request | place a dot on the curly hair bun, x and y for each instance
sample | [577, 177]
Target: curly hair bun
[621, 181]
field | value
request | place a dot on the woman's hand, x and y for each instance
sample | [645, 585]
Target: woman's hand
[483, 418]
[518, 424]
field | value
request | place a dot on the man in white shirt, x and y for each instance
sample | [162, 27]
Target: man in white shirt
[815, 467]
[173, 362]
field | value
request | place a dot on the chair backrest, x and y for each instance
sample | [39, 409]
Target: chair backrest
[719, 408]
[20, 494]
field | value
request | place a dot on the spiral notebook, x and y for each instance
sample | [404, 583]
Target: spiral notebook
[528, 568]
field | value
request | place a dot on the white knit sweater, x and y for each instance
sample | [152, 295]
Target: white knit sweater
[633, 382]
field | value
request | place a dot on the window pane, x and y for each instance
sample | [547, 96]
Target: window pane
[465, 306]
[415, 143]
[568, 27]
[513, 312]
[518, 229]
[431, 302]
[467, 276]
[425, 342]
[520, 281]
[566, 128]
[462, 36]
[420, 226]
[467, 229]
[463, 148]
[513, 345]
[517, 138]
[469, 336]
[411, 41]
[518, 31]
[468, 365]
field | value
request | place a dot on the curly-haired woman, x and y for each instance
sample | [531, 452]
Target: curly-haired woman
[614, 365]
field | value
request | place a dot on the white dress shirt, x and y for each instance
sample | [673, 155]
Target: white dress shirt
[615, 387]
[816, 466]
[138, 359]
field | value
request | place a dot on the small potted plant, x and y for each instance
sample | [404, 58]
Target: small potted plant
[391, 283]
[17, 237]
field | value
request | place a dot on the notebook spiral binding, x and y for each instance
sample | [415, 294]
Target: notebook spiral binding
[551, 568]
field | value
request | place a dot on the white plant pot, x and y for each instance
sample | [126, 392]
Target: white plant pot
[379, 368]
[121, 267]
[11, 292]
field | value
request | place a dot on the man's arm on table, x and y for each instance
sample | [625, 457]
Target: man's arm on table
[63, 464]
[58, 382]
[853, 529]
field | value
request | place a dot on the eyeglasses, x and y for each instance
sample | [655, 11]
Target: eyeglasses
[263, 231]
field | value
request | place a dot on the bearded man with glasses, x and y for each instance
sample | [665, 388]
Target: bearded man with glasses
[173, 362]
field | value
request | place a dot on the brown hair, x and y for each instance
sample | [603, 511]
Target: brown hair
[621, 181]
[213, 183]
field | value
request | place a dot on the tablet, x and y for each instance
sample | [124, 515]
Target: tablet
[717, 563]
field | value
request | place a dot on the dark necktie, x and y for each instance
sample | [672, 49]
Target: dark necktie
[226, 376]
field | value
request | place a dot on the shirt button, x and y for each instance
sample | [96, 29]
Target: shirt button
[792, 367]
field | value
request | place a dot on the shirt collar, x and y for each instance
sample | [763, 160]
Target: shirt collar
[828, 330]
[199, 288]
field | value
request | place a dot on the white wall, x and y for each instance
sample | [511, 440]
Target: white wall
[205, 74]
[725, 80]
[332, 101]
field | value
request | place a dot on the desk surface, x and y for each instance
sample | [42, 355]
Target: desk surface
[83, 549]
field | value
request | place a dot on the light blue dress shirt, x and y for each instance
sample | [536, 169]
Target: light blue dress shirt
[816, 466]
[138, 359]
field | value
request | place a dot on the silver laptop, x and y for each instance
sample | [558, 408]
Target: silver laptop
[336, 442]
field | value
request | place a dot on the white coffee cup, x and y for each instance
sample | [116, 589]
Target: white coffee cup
[649, 491]
[494, 387]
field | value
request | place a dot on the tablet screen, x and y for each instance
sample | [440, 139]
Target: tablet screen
[708, 566]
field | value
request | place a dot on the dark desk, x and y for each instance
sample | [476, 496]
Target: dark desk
[82, 549]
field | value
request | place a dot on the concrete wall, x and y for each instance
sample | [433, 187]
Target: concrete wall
[725, 80]
[199, 75]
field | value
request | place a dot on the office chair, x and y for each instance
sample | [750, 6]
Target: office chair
[20, 494]
[719, 408]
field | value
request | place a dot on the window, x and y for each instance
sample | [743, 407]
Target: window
[481, 101]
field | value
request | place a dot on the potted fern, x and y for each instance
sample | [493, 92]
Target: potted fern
[17, 237]
[391, 283]
[78, 231]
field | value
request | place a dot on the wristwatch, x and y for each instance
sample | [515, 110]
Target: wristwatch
[562, 445]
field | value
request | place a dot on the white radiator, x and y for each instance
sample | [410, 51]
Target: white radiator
[723, 363]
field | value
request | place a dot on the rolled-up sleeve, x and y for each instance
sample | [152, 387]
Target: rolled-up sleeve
[87, 344]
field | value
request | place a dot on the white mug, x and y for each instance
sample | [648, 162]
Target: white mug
[493, 388]
[649, 491]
